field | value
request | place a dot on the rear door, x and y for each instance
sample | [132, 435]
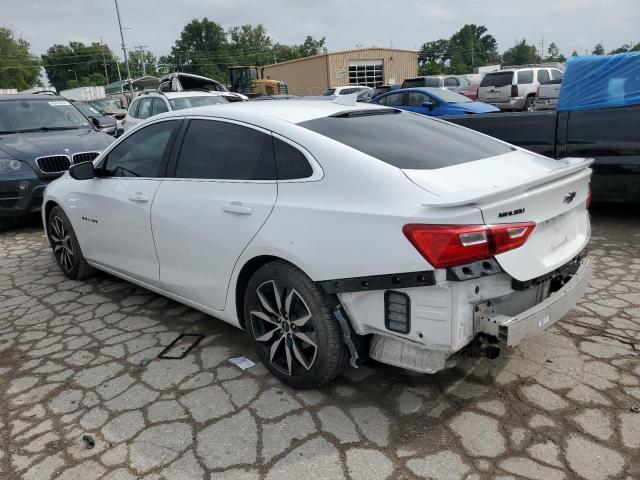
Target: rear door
[221, 190]
[496, 87]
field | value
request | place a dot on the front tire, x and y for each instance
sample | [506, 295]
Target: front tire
[291, 325]
[65, 246]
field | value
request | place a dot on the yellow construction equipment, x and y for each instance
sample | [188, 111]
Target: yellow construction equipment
[250, 81]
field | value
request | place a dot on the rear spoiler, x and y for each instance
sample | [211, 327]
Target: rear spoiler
[481, 195]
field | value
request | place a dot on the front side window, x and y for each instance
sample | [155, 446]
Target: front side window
[133, 109]
[225, 151]
[406, 140]
[416, 99]
[525, 77]
[556, 74]
[141, 153]
[145, 110]
[451, 82]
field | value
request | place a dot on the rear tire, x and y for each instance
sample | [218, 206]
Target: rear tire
[529, 105]
[65, 246]
[291, 325]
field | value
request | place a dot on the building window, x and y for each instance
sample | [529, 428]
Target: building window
[366, 72]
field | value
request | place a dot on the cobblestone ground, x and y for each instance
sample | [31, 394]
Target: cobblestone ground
[78, 358]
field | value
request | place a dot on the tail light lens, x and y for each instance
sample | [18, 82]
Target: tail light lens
[448, 245]
[514, 90]
[588, 204]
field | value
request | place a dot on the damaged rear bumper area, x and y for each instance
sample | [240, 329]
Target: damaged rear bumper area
[511, 330]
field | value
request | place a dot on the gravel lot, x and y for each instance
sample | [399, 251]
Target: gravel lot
[78, 358]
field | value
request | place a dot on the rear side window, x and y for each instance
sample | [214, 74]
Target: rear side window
[451, 82]
[500, 79]
[290, 162]
[159, 106]
[407, 140]
[222, 150]
[146, 108]
[543, 76]
[392, 100]
[525, 77]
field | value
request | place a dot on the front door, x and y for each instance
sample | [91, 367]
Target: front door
[414, 102]
[113, 210]
[221, 191]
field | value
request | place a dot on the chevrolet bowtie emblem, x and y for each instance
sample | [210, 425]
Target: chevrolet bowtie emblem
[568, 198]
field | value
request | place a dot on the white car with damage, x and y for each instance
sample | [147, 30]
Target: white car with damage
[331, 231]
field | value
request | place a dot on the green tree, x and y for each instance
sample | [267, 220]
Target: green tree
[598, 49]
[574, 54]
[18, 67]
[310, 47]
[471, 46]
[136, 58]
[250, 45]
[68, 66]
[202, 49]
[554, 54]
[622, 49]
[433, 56]
[520, 54]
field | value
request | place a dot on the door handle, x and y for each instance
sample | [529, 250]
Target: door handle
[238, 208]
[139, 197]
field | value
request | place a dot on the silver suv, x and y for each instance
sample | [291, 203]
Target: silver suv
[515, 89]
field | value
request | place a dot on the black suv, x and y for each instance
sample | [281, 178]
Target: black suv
[41, 135]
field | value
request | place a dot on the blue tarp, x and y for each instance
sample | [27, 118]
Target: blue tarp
[600, 81]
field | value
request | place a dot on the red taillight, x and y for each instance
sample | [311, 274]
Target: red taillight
[588, 204]
[514, 90]
[447, 245]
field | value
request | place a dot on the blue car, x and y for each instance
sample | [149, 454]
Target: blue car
[432, 101]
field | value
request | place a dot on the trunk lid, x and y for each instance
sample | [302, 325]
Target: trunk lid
[521, 187]
[496, 87]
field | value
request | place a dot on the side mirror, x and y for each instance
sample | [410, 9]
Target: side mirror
[95, 121]
[82, 171]
[428, 105]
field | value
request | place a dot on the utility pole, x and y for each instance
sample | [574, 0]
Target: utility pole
[542, 50]
[124, 48]
[104, 61]
[472, 62]
[144, 68]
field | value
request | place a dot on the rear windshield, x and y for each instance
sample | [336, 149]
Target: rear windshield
[407, 140]
[421, 82]
[499, 79]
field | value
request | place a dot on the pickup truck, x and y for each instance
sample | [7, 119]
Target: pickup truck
[598, 117]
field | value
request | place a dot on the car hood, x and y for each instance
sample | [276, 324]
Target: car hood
[28, 146]
[476, 107]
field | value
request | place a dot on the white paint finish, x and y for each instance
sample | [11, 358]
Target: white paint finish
[201, 227]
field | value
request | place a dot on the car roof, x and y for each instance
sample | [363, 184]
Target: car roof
[182, 94]
[294, 111]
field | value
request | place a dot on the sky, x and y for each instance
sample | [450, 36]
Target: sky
[406, 24]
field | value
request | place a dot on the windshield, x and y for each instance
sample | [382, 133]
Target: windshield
[199, 101]
[45, 114]
[421, 82]
[105, 104]
[329, 91]
[448, 95]
[87, 110]
[501, 79]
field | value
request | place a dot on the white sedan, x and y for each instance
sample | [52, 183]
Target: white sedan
[333, 232]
